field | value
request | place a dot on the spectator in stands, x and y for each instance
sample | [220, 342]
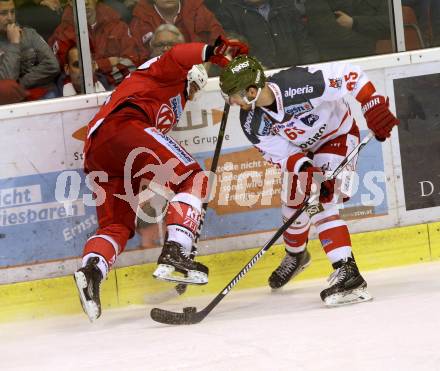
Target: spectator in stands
[70, 80]
[115, 48]
[164, 38]
[213, 5]
[428, 19]
[11, 92]
[124, 8]
[276, 35]
[191, 17]
[42, 15]
[347, 28]
[300, 5]
[27, 64]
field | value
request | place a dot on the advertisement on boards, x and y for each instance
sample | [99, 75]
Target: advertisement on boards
[417, 107]
[36, 227]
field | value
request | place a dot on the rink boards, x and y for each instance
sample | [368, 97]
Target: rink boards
[42, 233]
[134, 285]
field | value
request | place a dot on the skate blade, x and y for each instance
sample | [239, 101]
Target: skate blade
[351, 297]
[167, 273]
[90, 308]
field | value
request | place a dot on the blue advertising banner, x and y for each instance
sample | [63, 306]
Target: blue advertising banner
[35, 228]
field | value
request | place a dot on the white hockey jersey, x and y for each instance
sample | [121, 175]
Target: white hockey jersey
[311, 110]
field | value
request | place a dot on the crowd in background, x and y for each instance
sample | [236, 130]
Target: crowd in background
[39, 58]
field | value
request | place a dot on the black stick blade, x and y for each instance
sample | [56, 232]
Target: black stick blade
[188, 317]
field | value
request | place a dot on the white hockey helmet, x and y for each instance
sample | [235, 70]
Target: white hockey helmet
[198, 75]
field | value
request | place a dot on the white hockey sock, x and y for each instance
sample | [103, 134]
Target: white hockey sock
[182, 236]
[339, 253]
[296, 249]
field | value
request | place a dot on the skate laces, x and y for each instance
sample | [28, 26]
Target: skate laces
[287, 265]
[186, 254]
[337, 276]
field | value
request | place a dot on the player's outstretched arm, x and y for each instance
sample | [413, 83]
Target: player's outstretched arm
[341, 79]
[175, 64]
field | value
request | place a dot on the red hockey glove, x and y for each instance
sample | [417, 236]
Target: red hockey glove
[327, 191]
[224, 50]
[380, 120]
[316, 173]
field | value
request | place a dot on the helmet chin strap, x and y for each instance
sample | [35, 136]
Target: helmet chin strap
[253, 101]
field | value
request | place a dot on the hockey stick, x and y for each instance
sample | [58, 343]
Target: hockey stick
[191, 316]
[181, 287]
[215, 158]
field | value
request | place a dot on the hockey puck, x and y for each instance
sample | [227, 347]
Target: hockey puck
[189, 310]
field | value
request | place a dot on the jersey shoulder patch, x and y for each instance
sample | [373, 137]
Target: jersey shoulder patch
[255, 123]
[298, 84]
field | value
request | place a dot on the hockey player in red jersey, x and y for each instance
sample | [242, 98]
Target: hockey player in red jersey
[299, 120]
[128, 141]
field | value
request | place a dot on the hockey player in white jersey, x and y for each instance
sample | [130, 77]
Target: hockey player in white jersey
[299, 120]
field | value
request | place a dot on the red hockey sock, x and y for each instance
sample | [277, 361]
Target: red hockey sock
[295, 242]
[107, 243]
[296, 236]
[336, 243]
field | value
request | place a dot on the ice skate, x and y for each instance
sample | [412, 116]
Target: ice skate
[88, 280]
[174, 265]
[291, 265]
[347, 286]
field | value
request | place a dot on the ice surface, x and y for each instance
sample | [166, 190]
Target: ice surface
[250, 330]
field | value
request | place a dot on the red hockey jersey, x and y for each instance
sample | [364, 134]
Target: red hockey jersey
[156, 87]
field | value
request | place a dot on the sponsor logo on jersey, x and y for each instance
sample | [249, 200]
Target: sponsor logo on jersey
[310, 141]
[275, 129]
[240, 66]
[165, 118]
[247, 123]
[335, 83]
[291, 92]
[265, 126]
[297, 110]
[170, 144]
[176, 106]
[309, 120]
[283, 125]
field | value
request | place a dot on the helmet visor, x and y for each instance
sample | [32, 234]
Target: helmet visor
[227, 98]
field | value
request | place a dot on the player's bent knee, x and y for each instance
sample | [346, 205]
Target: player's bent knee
[196, 184]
